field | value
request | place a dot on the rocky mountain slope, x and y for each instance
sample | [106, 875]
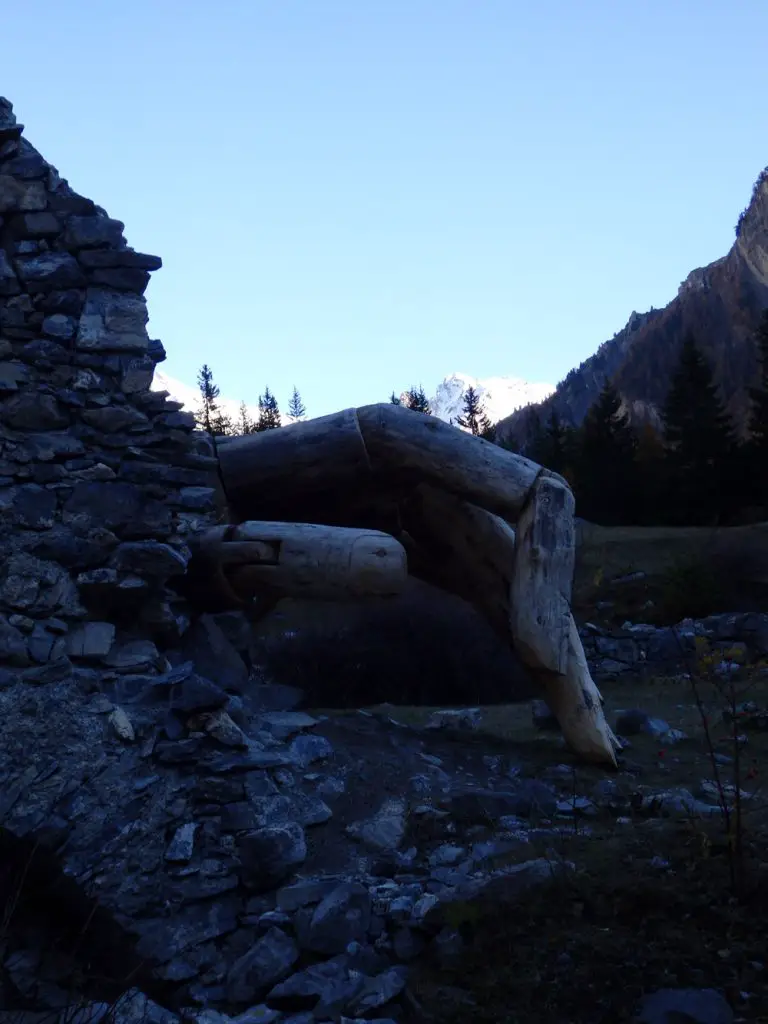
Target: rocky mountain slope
[720, 304]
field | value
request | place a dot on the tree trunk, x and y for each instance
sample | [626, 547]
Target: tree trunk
[472, 553]
[543, 575]
[401, 441]
[299, 560]
[289, 466]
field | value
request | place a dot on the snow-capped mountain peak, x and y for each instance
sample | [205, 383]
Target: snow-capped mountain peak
[500, 396]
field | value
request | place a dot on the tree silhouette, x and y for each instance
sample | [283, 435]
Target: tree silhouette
[605, 485]
[472, 411]
[416, 399]
[699, 441]
[269, 414]
[209, 416]
[296, 408]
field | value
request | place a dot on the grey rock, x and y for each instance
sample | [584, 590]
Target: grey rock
[50, 271]
[197, 499]
[119, 506]
[300, 894]
[132, 656]
[267, 962]
[195, 693]
[93, 233]
[34, 507]
[182, 845]
[149, 558]
[304, 989]
[91, 641]
[304, 750]
[214, 656]
[270, 855]
[385, 830]
[378, 991]
[13, 647]
[636, 721]
[9, 284]
[112, 419]
[58, 325]
[30, 410]
[343, 916]
[693, 1005]
[11, 376]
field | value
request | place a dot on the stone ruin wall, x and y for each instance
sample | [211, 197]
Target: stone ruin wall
[101, 480]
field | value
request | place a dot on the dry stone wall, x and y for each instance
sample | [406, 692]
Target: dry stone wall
[101, 479]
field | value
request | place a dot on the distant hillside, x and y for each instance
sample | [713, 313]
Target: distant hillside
[720, 304]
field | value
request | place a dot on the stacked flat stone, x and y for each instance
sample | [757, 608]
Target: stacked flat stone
[101, 479]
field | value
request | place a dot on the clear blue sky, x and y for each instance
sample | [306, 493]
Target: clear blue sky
[352, 195]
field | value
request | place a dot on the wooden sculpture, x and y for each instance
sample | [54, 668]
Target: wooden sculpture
[346, 505]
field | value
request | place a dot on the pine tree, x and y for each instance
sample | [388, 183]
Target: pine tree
[209, 394]
[416, 399]
[269, 414]
[487, 429]
[652, 476]
[472, 411]
[553, 444]
[699, 441]
[296, 408]
[605, 479]
[245, 424]
[394, 400]
[758, 420]
[221, 424]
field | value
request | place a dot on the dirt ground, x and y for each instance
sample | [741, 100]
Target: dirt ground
[653, 902]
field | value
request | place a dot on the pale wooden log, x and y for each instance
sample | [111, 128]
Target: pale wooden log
[463, 549]
[406, 443]
[543, 575]
[285, 466]
[314, 562]
[473, 553]
[576, 703]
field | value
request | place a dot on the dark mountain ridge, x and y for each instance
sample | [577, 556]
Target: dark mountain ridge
[720, 304]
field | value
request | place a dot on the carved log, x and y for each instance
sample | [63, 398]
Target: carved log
[255, 559]
[287, 467]
[576, 703]
[473, 553]
[463, 549]
[543, 574]
[400, 441]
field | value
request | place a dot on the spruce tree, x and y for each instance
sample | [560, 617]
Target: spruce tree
[759, 396]
[209, 393]
[296, 408]
[245, 424]
[472, 409]
[221, 423]
[416, 399]
[487, 429]
[552, 445]
[605, 478]
[699, 442]
[269, 414]
[395, 400]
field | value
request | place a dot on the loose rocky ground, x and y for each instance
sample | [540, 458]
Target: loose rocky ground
[405, 864]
